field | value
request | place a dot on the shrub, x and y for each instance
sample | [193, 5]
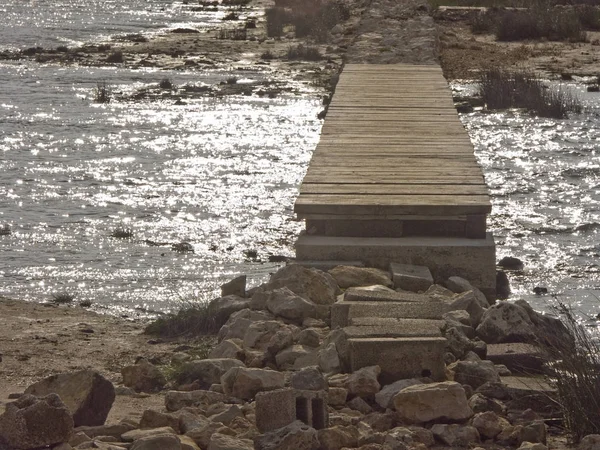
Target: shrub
[236, 34]
[195, 320]
[276, 20]
[63, 298]
[501, 89]
[102, 93]
[166, 83]
[115, 57]
[122, 233]
[304, 52]
[267, 56]
[575, 374]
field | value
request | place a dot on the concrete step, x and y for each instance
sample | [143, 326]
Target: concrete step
[399, 358]
[342, 313]
[472, 259]
[326, 265]
[361, 295]
[397, 328]
[518, 357]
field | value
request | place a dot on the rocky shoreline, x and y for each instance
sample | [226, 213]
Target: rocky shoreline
[280, 375]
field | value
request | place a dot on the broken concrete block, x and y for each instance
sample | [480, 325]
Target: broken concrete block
[410, 277]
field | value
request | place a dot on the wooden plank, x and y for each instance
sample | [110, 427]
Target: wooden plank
[398, 179]
[392, 189]
[375, 205]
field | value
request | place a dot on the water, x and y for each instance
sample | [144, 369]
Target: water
[544, 179]
[222, 174]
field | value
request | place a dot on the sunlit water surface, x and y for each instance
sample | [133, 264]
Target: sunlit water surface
[544, 178]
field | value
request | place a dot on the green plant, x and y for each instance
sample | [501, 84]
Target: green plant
[122, 233]
[115, 57]
[102, 93]
[574, 372]
[502, 89]
[166, 83]
[198, 319]
[63, 297]
[304, 52]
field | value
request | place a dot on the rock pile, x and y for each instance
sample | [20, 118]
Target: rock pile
[286, 374]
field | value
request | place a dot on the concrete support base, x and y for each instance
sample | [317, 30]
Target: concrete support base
[472, 259]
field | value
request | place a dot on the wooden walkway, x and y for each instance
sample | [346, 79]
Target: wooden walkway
[394, 160]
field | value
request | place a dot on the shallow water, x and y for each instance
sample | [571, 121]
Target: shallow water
[544, 179]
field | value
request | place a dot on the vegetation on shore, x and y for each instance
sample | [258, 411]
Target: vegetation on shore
[574, 372]
[501, 89]
[192, 320]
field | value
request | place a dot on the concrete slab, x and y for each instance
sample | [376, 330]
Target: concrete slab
[360, 295]
[411, 277]
[400, 358]
[472, 259]
[326, 265]
[518, 357]
[342, 313]
[402, 328]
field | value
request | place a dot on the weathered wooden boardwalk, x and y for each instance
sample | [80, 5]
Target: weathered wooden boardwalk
[394, 162]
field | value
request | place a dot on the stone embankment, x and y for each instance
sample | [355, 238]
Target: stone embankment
[350, 358]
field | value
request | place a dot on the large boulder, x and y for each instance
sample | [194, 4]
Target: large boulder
[309, 379]
[467, 301]
[238, 323]
[220, 441]
[284, 303]
[296, 435]
[455, 435]
[88, 395]
[312, 284]
[489, 424]
[363, 382]
[351, 276]
[245, 383]
[590, 442]
[337, 437]
[206, 371]
[426, 402]
[229, 349]
[222, 308]
[474, 373]
[258, 334]
[143, 377]
[506, 322]
[287, 358]
[385, 397]
[32, 422]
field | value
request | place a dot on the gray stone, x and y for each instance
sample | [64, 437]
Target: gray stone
[203, 434]
[206, 371]
[474, 373]
[164, 442]
[228, 349]
[385, 397]
[309, 379]
[237, 286]
[410, 277]
[338, 437]
[245, 383]
[506, 322]
[455, 435]
[222, 308]
[350, 276]
[296, 435]
[312, 284]
[284, 303]
[309, 337]
[156, 419]
[238, 323]
[517, 357]
[176, 400]
[480, 403]
[258, 334]
[435, 401]
[532, 446]
[363, 382]
[135, 435]
[115, 430]
[32, 422]
[143, 377]
[396, 328]
[489, 424]
[589, 442]
[286, 358]
[382, 294]
[358, 404]
[468, 302]
[88, 395]
[437, 292]
[329, 359]
[457, 343]
[220, 441]
[228, 416]
[458, 284]
[282, 339]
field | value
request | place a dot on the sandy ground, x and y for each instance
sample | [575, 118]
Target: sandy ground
[38, 340]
